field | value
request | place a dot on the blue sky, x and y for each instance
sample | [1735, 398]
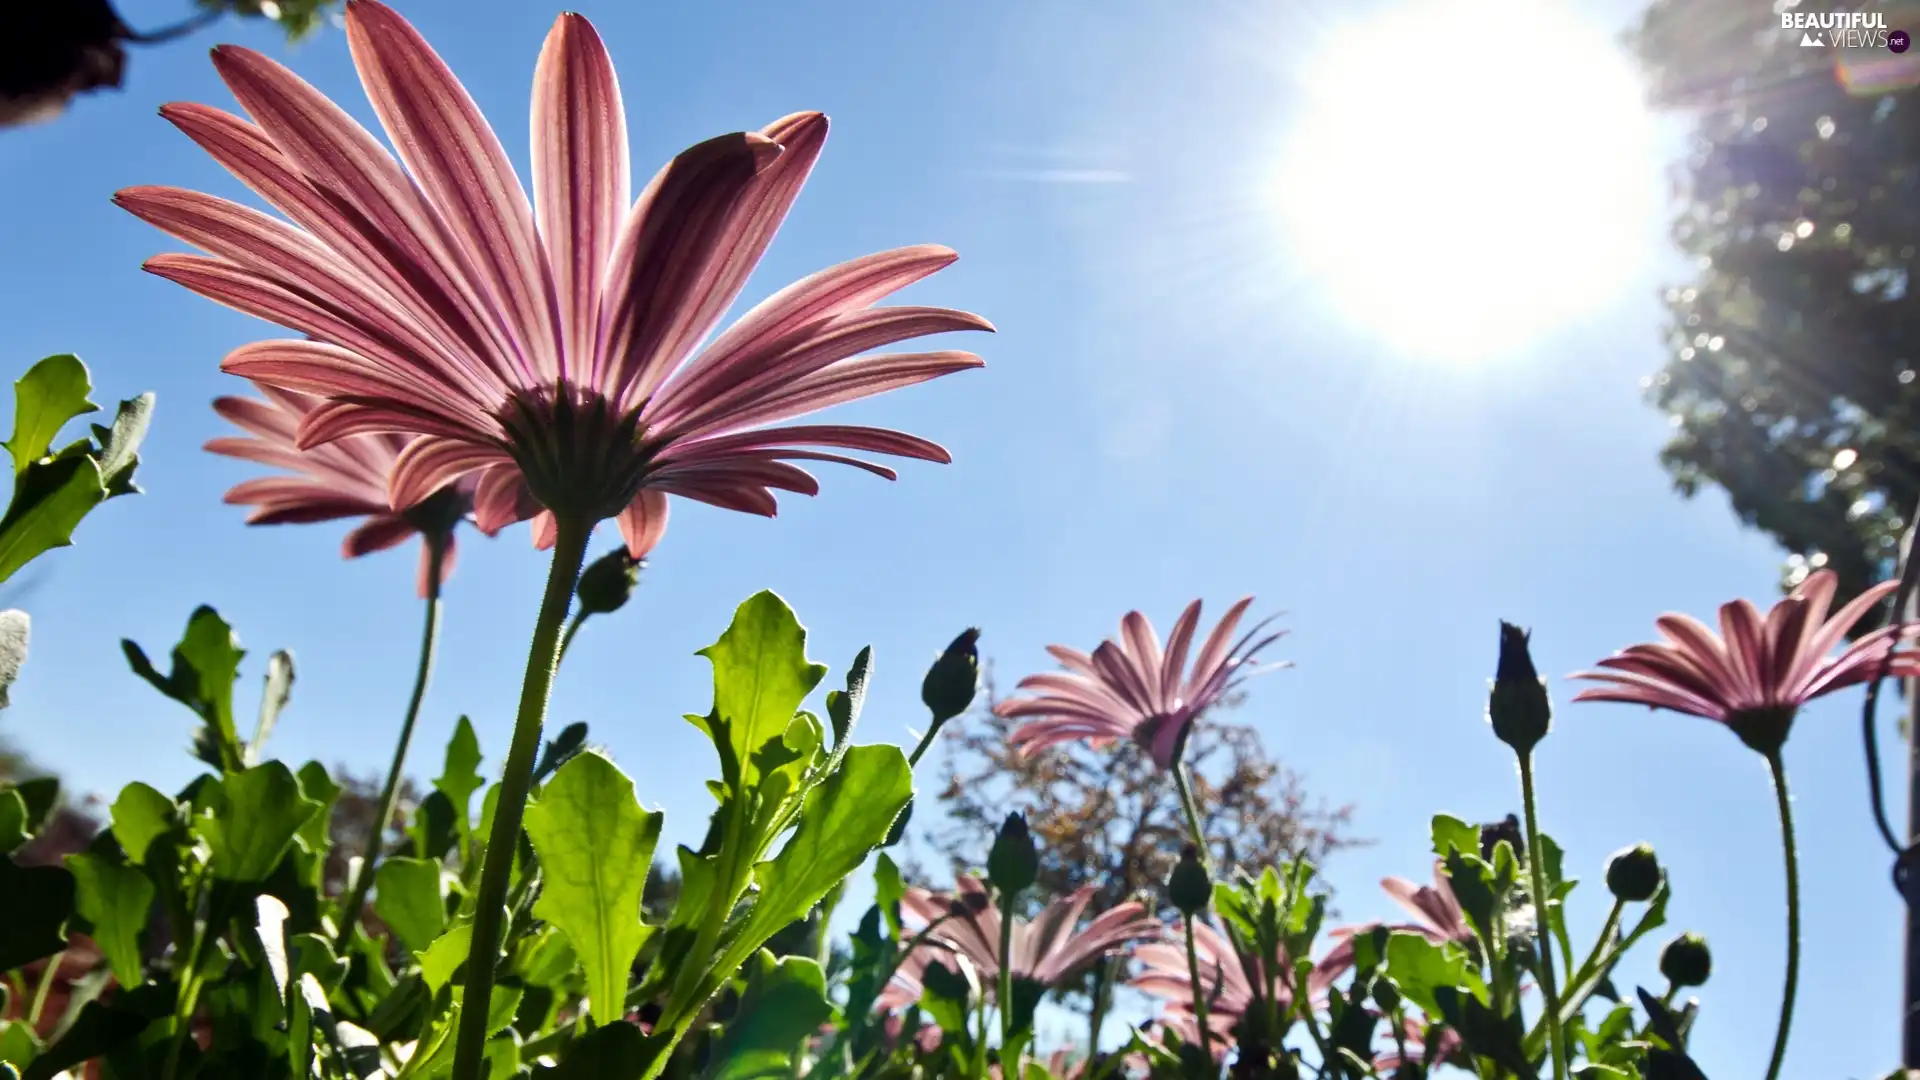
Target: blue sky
[1170, 410]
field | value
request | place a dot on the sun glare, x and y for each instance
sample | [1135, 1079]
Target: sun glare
[1461, 178]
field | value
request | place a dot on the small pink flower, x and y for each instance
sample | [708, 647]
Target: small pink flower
[1129, 689]
[1756, 674]
[1227, 981]
[549, 348]
[343, 479]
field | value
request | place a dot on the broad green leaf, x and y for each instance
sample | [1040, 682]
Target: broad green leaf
[273, 698]
[15, 628]
[317, 784]
[205, 664]
[119, 445]
[760, 676]
[313, 955]
[254, 821]
[608, 1052]
[460, 777]
[1419, 967]
[115, 898]
[100, 1029]
[13, 820]
[18, 1044]
[441, 959]
[35, 902]
[784, 1004]
[49, 499]
[1452, 834]
[407, 897]
[140, 816]
[595, 845]
[846, 816]
[51, 393]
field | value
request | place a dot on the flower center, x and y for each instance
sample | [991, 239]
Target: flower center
[1764, 727]
[581, 458]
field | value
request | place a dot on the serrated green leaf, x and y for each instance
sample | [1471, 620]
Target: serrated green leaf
[119, 446]
[116, 899]
[460, 776]
[318, 784]
[51, 393]
[784, 1004]
[140, 816]
[255, 817]
[846, 816]
[35, 902]
[760, 676]
[440, 960]
[1419, 967]
[49, 499]
[407, 897]
[1452, 834]
[595, 845]
[274, 695]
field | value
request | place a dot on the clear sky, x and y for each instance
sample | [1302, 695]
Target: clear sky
[1190, 395]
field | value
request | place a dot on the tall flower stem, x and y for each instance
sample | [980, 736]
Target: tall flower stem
[1792, 981]
[1556, 1035]
[1199, 998]
[390, 795]
[1004, 994]
[1192, 810]
[569, 552]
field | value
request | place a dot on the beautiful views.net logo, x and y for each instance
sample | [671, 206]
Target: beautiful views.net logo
[1845, 30]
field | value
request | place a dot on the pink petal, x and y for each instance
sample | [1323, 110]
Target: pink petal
[342, 417]
[502, 498]
[377, 533]
[1174, 667]
[1215, 652]
[431, 463]
[644, 522]
[580, 180]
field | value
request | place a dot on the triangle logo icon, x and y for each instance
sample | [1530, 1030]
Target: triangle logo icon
[1807, 39]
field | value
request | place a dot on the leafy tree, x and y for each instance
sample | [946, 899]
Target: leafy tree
[1792, 383]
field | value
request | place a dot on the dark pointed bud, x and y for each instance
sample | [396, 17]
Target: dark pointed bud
[954, 679]
[1508, 830]
[1189, 886]
[1686, 961]
[51, 50]
[608, 582]
[1633, 874]
[1013, 864]
[1518, 706]
[1386, 996]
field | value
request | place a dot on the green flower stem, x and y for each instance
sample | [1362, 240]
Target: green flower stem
[566, 639]
[45, 987]
[1005, 994]
[1556, 1035]
[1199, 996]
[390, 795]
[569, 552]
[920, 748]
[1792, 981]
[1192, 810]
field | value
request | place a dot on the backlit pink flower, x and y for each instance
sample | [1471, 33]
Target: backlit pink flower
[1448, 1049]
[546, 347]
[346, 478]
[1755, 675]
[1130, 689]
[1434, 906]
[1227, 981]
[1045, 950]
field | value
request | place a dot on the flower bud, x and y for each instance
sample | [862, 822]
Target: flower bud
[607, 582]
[1189, 886]
[1686, 960]
[1518, 706]
[1013, 864]
[1386, 996]
[1633, 874]
[953, 679]
[1509, 830]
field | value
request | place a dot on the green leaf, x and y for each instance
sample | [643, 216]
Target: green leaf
[255, 817]
[407, 897]
[270, 926]
[843, 706]
[42, 795]
[49, 499]
[784, 1004]
[440, 960]
[100, 1029]
[460, 777]
[318, 785]
[18, 1044]
[119, 445]
[1452, 834]
[760, 676]
[13, 821]
[273, 698]
[559, 750]
[115, 898]
[15, 628]
[1419, 967]
[140, 816]
[595, 845]
[51, 393]
[35, 902]
[845, 817]
[205, 664]
[614, 1051]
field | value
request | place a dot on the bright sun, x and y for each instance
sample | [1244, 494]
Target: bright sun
[1464, 176]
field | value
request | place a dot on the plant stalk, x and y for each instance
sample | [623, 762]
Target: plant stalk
[1199, 997]
[569, 553]
[390, 795]
[1792, 981]
[1192, 811]
[1556, 1035]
